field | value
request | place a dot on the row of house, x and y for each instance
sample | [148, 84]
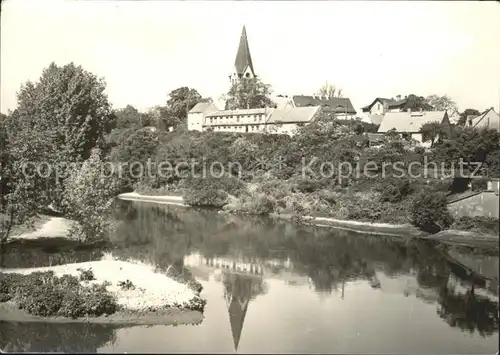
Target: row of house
[291, 112]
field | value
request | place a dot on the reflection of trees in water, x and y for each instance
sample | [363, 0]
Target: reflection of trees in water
[55, 337]
[468, 311]
[329, 257]
[47, 251]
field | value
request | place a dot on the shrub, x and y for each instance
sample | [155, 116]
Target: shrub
[211, 191]
[477, 224]
[126, 285]
[420, 150]
[89, 197]
[429, 211]
[43, 294]
[86, 275]
[479, 184]
[395, 190]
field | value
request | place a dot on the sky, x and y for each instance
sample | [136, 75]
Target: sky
[145, 49]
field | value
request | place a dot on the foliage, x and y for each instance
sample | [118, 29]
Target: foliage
[429, 211]
[43, 294]
[415, 103]
[131, 154]
[442, 103]
[462, 121]
[431, 131]
[126, 285]
[130, 117]
[479, 184]
[86, 274]
[470, 145]
[211, 191]
[394, 190]
[248, 93]
[58, 121]
[481, 224]
[90, 192]
[329, 91]
[180, 101]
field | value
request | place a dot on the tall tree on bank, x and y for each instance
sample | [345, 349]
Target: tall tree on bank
[442, 103]
[180, 101]
[248, 93]
[329, 91]
[58, 121]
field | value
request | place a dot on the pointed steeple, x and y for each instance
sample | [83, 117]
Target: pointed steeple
[243, 59]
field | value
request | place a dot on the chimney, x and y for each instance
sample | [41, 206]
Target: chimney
[398, 97]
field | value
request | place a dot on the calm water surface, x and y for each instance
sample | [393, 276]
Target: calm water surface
[278, 287]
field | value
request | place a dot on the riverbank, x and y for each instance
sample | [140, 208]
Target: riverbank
[142, 295]
[451, 236]
[165, 199]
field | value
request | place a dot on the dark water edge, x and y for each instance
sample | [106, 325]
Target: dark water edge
[278, 287]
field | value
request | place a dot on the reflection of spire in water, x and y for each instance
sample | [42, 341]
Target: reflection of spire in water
[238, 291]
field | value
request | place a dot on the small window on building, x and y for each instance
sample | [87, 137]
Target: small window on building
[238, 119]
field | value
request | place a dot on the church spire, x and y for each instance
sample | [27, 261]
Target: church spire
[243, 65]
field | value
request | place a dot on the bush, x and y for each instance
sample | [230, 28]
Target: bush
[126, 285]
[429, 211]
[43, 294]
[89, 197]
[211, 191]
[479, 185]
[477, 224]
[420, 150]
[86, 275]
[395, 190]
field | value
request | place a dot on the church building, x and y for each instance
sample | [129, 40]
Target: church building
[286, 117]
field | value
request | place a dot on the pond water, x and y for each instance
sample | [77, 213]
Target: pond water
[278, 287]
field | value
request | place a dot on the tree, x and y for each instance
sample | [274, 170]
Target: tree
[467, 112]
[248, 93]
[88, 198]
[58, 121]
[130, 117]
[431, 131]
[180, 101]
[329, 91]
[469, 145]
[429, 211]
[415, 103]
[442, 103]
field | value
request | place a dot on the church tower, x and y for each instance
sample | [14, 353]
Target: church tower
[243, 66]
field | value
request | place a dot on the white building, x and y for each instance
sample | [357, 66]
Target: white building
[409, 123]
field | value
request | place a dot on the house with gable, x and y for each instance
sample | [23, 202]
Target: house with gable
[409, 123]
[488, 119]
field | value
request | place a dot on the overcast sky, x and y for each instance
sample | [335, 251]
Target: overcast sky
[145, 49]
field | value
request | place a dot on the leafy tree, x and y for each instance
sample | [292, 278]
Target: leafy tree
[130, 117]
[431, 131]
[429, 211]
[88, 198]
[442, 103]
[415, 103]
[59, 119]
[249, 93]
[467, 112]
[180, 101]
[470, 145]
[132, 150]
[329, 91]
